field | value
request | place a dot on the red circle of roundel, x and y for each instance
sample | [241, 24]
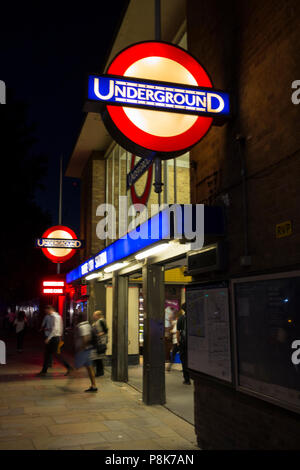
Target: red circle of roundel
[60, 259]
[143, 199]
[177, 144]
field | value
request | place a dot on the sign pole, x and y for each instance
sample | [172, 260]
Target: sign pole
[60, 204]
[157, 20]
[158, 183]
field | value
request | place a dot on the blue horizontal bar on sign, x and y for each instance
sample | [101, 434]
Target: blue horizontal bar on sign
[152, 231]
[162, 226]
[162, 96]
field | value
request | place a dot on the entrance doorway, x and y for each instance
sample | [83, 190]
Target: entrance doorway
[179, 397]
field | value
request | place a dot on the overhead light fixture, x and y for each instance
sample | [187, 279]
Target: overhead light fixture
[92, 276]
[115, 267]
[152, 251]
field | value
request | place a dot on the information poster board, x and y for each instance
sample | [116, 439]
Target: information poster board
[208, 331]
[267, 313]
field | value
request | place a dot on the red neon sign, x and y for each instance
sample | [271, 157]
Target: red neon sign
[53, 283]
[56, 287]
[53, 291]
[83, 290]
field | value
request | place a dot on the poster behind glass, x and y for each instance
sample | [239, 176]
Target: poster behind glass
[268, 322]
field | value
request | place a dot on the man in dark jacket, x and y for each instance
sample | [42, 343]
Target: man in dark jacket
[181, 336]
[101, 329]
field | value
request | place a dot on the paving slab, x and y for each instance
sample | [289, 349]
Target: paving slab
[55, 413]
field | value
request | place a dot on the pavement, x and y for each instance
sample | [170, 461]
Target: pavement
[179, 397]
[53, 412]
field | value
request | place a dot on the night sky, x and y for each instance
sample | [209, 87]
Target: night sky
[46, 51]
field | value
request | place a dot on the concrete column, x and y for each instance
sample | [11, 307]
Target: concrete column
[154, 350]
[119, 369]
[100, 297]
[97, 298]
[91, 300]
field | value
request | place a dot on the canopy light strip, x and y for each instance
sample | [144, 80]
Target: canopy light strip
[92, 276]
[152, 251]
[115, 267]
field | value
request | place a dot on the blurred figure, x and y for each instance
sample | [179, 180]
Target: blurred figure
[175, 347]
[181, 338]
[20, 325]
[52, 341]
[84, 346]
[46, 328]
[11, 320]
[6, 321]
[169, 317]
[101, 330]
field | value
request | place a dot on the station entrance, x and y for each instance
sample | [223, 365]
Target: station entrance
[178, 396]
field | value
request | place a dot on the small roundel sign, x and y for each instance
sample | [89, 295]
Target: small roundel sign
[59, 243]
[157, 99]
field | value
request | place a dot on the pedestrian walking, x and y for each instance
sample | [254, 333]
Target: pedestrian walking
[101, 333]
[175, 348]
[46, 328]
[181, 334]
[169, 317]
[84, 347]
[20, 325]
[52, 341]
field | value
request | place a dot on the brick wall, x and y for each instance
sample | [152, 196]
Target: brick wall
[226, 419]
[252, 49]
[92, 194]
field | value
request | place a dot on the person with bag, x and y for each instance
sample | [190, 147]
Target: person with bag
[100, 334]
[175, 348]
[84, 347]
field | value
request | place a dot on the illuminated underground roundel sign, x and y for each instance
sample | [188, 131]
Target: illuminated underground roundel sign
[157, 100]
[59, 243]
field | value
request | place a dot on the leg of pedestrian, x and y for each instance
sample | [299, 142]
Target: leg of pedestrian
[91, 373]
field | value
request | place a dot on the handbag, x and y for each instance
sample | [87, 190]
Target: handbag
[60, 345]
[99, 342]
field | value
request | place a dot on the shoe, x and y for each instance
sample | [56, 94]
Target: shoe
[68, 372]
[92, 389]
[187, 382]
[41, 374]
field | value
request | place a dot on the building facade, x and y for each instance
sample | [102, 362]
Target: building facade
[252, 166]
[242, 305]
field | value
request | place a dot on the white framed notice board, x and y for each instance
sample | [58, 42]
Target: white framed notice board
[208, 331]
